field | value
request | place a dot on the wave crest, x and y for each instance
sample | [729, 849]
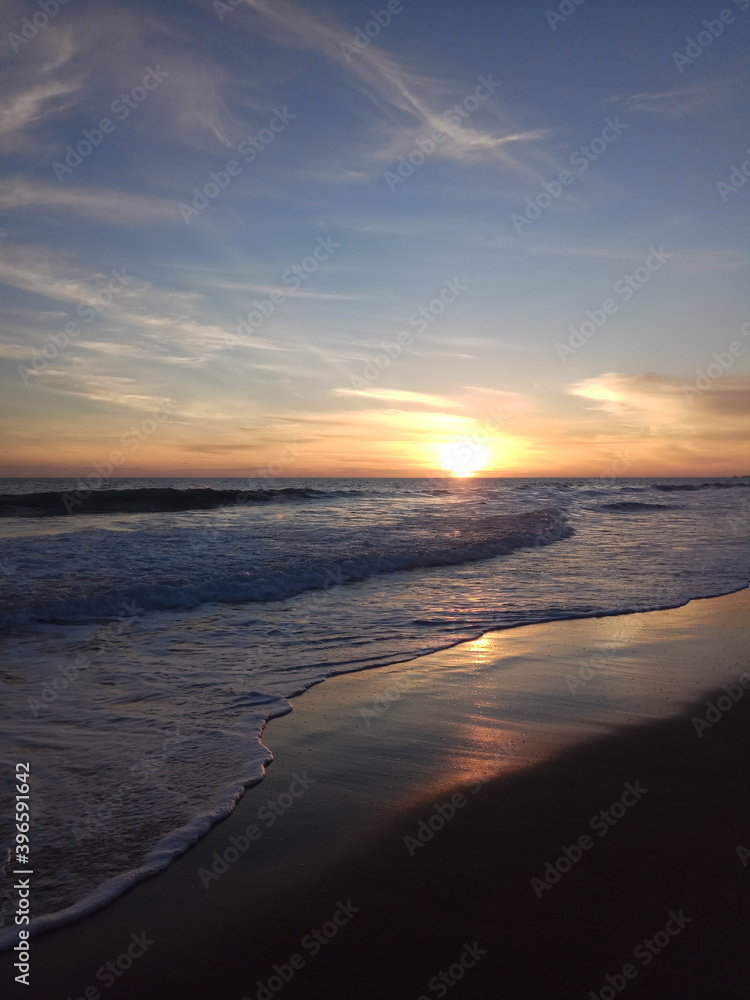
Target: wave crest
[146, 500]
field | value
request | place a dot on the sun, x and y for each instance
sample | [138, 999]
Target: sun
[463, 458]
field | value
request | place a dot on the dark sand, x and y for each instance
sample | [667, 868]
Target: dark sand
[558, 760]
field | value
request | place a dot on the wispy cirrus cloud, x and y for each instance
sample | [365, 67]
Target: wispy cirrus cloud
[106, 205]
[401, 397]
[684, 101]
[82, 61]
[31, 106]
[503, 399]
[412, 104]
[121, 391]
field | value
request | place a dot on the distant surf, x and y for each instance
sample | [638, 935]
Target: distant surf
[142, 500]
[692, 487]
[633, 506]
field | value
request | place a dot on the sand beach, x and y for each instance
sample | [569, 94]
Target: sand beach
[475, 815]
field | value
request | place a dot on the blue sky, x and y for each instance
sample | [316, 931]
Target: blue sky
[358, 198]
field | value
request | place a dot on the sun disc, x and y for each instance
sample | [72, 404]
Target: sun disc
[463, 458]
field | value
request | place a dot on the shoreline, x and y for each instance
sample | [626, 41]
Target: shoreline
[154, 864]
[461, 716]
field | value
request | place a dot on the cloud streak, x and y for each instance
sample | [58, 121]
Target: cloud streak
[407, 100]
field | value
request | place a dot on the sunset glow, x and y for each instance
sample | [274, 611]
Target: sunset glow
[463, 458]
[268, 266]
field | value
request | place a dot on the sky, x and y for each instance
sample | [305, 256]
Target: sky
[272, 238]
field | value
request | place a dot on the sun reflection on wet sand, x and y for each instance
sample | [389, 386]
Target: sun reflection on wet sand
[504, 701]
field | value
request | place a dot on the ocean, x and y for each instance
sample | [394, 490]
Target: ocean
[151, 627]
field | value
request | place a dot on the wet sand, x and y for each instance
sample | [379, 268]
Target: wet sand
[346, 870]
